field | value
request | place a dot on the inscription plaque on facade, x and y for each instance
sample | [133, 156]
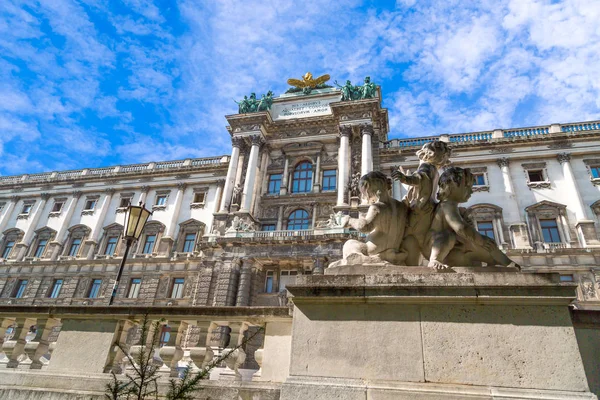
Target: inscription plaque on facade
[302, 108]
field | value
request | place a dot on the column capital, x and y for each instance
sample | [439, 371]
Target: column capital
[257, 140]
[77, 193]
[45, 196]
[220, 182]
[366, 129]
[345, 130]
[145, 188]
[15, 198]
[503, 162]
[237, 141]
[563, 157]
[110, 190]
[181, 185]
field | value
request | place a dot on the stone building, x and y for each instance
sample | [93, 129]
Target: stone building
[234, 230]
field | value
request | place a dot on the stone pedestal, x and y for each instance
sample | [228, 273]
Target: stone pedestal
[408, 333]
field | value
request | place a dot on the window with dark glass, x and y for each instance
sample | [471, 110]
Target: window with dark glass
[535, 176]
[57, 207]
[74, 247]
[55, 290]
[39, 251]
[189, 243]
[595, 170]
[177, 291]
[125, 202]
[550, 230]
[134, 288]
[329, 180]
[302, 178]
[8, 248]
[20, 289]
[26, 208]
[274, 184]
[95, 288]
[111, 245]
[486, 228]
[149, 244]
[90, 205]
[269, 280]
[267, 227]
[298, 220]
[479, 180]
[199, 197]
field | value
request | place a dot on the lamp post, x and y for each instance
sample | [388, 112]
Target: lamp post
[135, 220]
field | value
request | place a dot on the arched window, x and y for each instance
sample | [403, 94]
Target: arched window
[302, 178]
[74, 243]
[10, 238]
[298, 220]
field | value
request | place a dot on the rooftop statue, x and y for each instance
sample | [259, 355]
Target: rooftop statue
[451, 240]
[307, 84]
[252, 104]
[350, 92]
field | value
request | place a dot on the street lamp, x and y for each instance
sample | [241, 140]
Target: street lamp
[135, 219]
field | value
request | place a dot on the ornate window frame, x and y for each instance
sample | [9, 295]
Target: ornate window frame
[152, 228]
[481, 171]
[15, 235]
[54, 212]
[78, 231]
[123, 196]
[482, 212]
[589, 164]
[114, 229]
[161, 193]
[90, 211]
[297, 164]
[197, 191]
[537, 166]
[549, 210]
[45, 233]
[188, 227]
[25, 215]
[293, 209]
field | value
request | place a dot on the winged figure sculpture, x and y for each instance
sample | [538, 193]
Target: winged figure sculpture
[307, 83]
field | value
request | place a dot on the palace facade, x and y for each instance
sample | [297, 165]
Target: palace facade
[234, 230]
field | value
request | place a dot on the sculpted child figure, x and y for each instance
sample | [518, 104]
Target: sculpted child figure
[384, 224]
[452, 241]
[421, 196]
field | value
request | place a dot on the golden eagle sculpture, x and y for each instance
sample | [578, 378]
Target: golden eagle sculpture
[307, 83]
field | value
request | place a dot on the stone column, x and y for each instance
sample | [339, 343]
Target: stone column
[314, 215]
[343, 163]
[169, 237]
[236, 357]
[39, 345]
[92, 241]
[245, 284]
[144, 194]
[257, 142]
[26, 241]
[317, 177]
[584, 226]
[8, 212]
[286, 176]
[518, 230]
[61, 235]
[366, 162]
[14, 350]
[280, 218]
[396, 186]
[218, 194]
[237, 144]
[172, 352]
[201, 354]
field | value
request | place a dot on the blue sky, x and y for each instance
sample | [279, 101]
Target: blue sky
[102, 82]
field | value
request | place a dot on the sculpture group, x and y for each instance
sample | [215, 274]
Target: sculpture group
[350, 92]
[252, 104]
[427, 223]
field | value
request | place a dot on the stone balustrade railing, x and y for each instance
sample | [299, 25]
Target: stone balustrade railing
[577, 127]
[61, 339]
[114, 171]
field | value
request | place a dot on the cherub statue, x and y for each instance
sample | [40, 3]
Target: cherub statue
[421, 195]
[383, 224]
[452, 241]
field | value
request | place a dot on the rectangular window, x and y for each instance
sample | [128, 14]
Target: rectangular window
[57, 207]
[486, 228]
[274, 184]
[287, 278]
[566, 278]
[55, 291]
[74, 247]
[8, 248]
[189, 243]
[27, 208]
[550, 230]
[595, 170]
[267, 227]
[39, 251]
[94, 288]
[161, 200]
[134, 288]
[111, 245]
[199, 197]
[125, 202]
[177, 291]
[149, 244]
[20, 289]
[329, 180]
[536, 175]
[269, 281]
[479, 180]
[90, 205]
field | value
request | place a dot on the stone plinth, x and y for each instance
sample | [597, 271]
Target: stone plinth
[408, 333]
